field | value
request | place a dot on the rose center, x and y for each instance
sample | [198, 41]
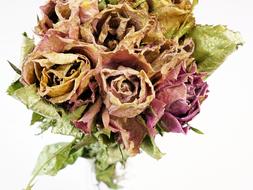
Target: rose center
[126, 86]
[73, 69]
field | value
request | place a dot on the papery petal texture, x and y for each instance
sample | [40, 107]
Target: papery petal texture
[60, 67]
[125, 86]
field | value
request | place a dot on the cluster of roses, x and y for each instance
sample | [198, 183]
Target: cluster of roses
[119, 65]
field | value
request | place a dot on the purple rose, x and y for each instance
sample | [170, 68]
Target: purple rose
[178, 98]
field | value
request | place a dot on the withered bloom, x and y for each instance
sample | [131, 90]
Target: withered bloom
[115, 26]
[126, 91]
[125, 85]
[165, 55]
[66, 16]
[178, 98]
[60, 72]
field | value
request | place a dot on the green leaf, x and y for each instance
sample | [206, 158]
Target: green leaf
[14, 87]
[148, 145]
[197, 131]
[64, 126]
[107, 176]
[85, 141]
[27, 47]
[102, 4]
[36, 118]
[106, 157]
[14, 67]
[77, 114]
[55, 117]
[45, 125]
[213, 45]
[54, 158]
[28, 96]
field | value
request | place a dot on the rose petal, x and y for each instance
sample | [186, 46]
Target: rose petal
[178, 108]
[113, 100]
[86, 122]
[124, 58]
[171, 124]
[132, 133]
[154, 115]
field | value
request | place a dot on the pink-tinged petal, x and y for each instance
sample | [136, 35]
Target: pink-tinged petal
[87, 121]
[52, 41]
[107, 122]
[182, 90]
[47, 8]
[87, 96]
[88, 9]
[116, 24]
[132, 133]
[154, 115]
[47, 20]
[124, 58]
[170, 94]
[66, 16]
[171, 124]
[179, 108]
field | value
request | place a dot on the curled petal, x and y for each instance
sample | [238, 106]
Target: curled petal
[132, 133]
[171, 124]
[182, 90]
[53, 41]
[116, 24]
[154, 114]
[66, 16]
[124, 78]
[108, 123]
[88, 9]
[61, 68]
[175, 17]
[87, 121]
[124, 58]
[165, 55]
[85, 94]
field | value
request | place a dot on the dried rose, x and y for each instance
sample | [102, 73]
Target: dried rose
[62, 71]
[125, 86]
[167, 54]
[174, 16]
[126, 91]
[66, 16]
[116, 25]
[178, 98]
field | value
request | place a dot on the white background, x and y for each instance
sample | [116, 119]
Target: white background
[219, 160]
